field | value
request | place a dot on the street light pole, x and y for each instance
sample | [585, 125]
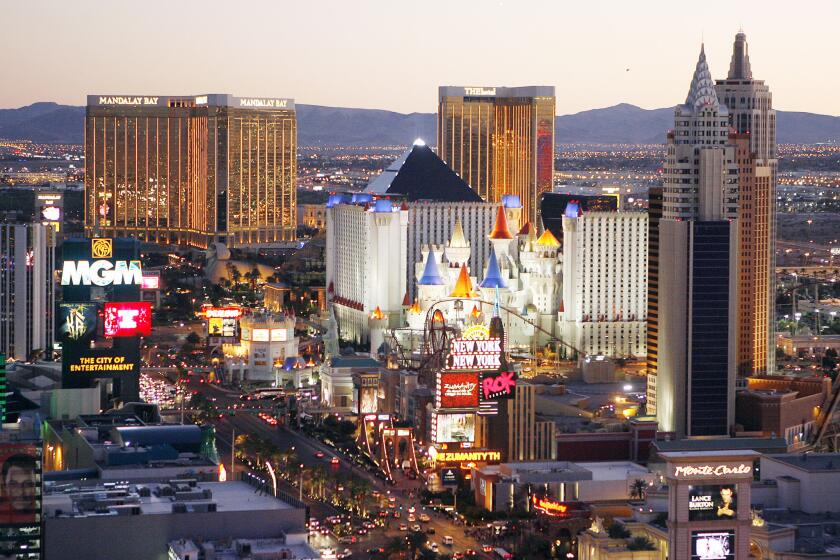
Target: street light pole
[232, 453]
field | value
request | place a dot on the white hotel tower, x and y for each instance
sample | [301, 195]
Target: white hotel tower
[366, 261]
[605, 281]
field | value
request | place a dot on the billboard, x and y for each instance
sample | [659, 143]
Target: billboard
[127, 318]
[455, 428]
[368, 401]
[712, 502]
[102, 362]
[470, 354]
[498, 385]
[20, 480]
[76, 321]
[713, 545]
[457, 390]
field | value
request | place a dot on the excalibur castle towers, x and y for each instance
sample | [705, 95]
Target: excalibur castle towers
[191, 170]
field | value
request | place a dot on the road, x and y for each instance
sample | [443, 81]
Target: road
[306, 449]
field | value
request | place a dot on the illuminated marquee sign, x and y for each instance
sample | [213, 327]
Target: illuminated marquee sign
[475, 354]
[498, 385]
[549, 507]
[466, 456]
[101, 362]
[457, 390]
[126, 100]
[101, 273]
[712, 471]
[222, 312]
[127, 319]
[263, 103]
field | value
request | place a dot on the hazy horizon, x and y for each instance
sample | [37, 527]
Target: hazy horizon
[380, 55]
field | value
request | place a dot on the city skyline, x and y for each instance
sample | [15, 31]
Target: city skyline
[326, 62]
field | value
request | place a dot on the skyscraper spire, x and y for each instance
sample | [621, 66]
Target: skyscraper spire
[739, 66]
[702, 93]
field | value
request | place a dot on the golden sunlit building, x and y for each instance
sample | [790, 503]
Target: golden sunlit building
[499, 140]
[191, 170]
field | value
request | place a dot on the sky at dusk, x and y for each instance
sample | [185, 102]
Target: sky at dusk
[392, 54]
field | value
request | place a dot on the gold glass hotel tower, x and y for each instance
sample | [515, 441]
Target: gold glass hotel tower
[499, 140]
[191, 170]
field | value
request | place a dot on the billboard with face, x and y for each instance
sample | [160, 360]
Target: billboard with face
[20, 483]
[712, 502]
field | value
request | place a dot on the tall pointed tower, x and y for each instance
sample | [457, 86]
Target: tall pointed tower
[693, 391]
[751, 114]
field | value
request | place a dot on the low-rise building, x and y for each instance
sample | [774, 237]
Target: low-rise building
[511, 486]
[266, 341]
[787, 407]
[139, 521]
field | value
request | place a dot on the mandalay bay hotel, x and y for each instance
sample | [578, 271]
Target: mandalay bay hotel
[191, 170]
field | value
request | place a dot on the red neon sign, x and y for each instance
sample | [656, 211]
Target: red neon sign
[128, 318]
[498, 385]
[458, 390]
[549, 507]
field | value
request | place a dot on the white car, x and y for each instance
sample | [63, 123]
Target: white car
[434, 546]
[416, 527]
[424, 518]
[403, 527]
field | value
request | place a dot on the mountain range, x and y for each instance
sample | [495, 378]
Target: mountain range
[48, 122]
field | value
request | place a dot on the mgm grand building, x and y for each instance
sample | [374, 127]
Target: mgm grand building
[191, 170]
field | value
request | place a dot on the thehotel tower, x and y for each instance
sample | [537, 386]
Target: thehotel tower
[499, 140]
[751, 113]
[191, 169]
[695, 257]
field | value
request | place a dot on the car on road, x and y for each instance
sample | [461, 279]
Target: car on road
[334, 461]
[369, 525]
[319, 454]
[424, 518]
[403, 527]
[347, 539]
[487, 548]
[416, 528]
[434, 546]
[457, 556]
[470, 552]
[346, 553]
[430, 531]
[448, 540]
[411, 518]
[396, 514]
[361, 531]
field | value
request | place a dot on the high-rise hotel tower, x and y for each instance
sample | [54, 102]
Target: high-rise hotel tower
[499, 140]
[191, 170]
[751, 114]
[695, 257]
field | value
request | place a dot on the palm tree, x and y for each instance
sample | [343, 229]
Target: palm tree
[416, 540]
[319, 479]
[637, 489]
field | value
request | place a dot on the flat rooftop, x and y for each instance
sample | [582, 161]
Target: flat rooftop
[228, 497]
[810, 462]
